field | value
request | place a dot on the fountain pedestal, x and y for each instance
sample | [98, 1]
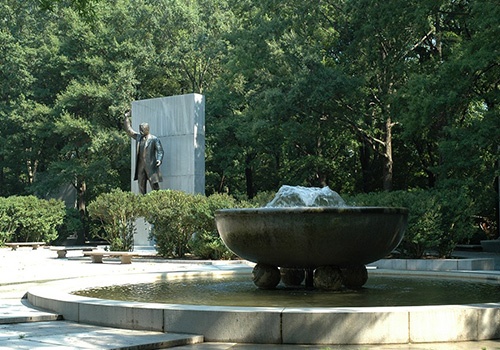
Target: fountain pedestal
[312, 237]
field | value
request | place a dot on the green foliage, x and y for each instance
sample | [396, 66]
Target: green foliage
[173, 217]
[8, 219]
[72, 226]
[358, 95]
[30, 219]
[437, 221]
[84, 7]
[261, 199]
[116, 213]
[184, 223]
[206, 242]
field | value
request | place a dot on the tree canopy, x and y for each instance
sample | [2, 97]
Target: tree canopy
[359, 95]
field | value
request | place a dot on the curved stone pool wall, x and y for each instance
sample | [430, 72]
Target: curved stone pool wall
[277, 325]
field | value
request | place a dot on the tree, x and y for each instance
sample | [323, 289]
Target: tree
[280, 101]
[24, 93]
[380, 45]
[84, 7]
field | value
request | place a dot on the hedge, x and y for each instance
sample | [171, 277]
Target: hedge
[437, 221]
[30, 219]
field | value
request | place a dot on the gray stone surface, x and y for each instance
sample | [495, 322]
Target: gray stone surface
[309, 237]
[179, 123]
[491, 246]
[120, 316]
[473, 264]
[443, 324]
[370, 326]
[70, 335]
[235, 325]
[18, 310]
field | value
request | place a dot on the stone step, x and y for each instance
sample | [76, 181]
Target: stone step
[72, 335]
[20, 311]
[22, 326]
[6, 319]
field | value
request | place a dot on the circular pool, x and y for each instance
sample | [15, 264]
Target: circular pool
[238, 290]
[277, 324]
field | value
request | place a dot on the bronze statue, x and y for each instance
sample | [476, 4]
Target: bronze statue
[149, 155]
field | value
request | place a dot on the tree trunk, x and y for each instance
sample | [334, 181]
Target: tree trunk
[365, 158]
[387, 159]
[249, 177]
[81, 189]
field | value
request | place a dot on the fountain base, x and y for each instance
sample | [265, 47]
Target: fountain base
[277, 325]
[324, 277]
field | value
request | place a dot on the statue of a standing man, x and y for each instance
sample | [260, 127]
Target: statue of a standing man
[149, 155]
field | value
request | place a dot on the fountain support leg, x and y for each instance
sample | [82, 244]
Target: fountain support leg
[292, 277]
[328, 278]
[266, 276]
[354, 277]
[309, 278]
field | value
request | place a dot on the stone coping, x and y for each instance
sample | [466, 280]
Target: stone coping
[475, 264]
[491, 246]
[277, 325]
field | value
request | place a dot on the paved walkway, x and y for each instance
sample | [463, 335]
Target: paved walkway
[24, 327]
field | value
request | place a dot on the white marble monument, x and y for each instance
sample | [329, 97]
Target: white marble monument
[179, 123]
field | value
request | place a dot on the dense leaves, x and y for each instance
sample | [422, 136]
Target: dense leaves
[359, 95]
[116, 213]
[30, 219]
[184, 223]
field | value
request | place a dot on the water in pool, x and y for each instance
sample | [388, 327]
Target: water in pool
[240, 291]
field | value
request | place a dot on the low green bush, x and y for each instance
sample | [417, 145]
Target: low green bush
[8, 219]
[437, 221]
[30, 219]
[206, 242]
[172, 215]
[184, 223]
[116, 213]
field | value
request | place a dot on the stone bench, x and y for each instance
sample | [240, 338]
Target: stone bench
[125, 257]
[62, 251]
[16, 245]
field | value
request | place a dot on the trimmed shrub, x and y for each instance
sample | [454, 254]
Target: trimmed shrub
[437, 221]
[206, 242]
[172, 215]
[116, 213]
[8, 219]
[30, 219]
[184, 223]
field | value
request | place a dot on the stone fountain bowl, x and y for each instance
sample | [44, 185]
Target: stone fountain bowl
[309, 237]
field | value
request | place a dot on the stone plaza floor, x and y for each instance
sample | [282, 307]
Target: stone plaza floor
[24, 327]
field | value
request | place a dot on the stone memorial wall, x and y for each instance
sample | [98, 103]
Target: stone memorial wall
[179, 123]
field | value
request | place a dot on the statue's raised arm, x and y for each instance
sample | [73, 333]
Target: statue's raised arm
[127, 126]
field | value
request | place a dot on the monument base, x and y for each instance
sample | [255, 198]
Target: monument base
[143, 234]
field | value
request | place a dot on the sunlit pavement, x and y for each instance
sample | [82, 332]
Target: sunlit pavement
[24, 327]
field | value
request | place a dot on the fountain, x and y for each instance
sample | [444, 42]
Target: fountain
[311, 233]
[340, 247]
